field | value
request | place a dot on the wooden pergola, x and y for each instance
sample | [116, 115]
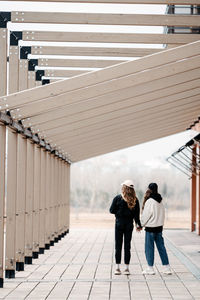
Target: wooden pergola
[44, 128]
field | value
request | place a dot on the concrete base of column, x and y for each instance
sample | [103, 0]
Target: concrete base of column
[35, 254]
[1, 282]
[41, 250]
[47, 246]
[28, 260]
[10, 274]
[19, 266]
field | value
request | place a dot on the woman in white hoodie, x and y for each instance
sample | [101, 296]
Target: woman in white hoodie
[152, 218]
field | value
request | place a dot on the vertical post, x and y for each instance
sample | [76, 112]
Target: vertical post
[198, 198]
[42, 201]
[20, 202]
[36, 200]
[31, 79]
[193, 191]
[3, 61]
[51, 187]
[23, 74]
[56, 199]
[13, 85]
[2, 197]
[68, 196]
[11, 187]
[47, 202]
[29, 203]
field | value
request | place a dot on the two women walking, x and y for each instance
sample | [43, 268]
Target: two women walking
[126, 209]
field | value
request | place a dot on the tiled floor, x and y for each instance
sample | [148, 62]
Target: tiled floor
[81, 266]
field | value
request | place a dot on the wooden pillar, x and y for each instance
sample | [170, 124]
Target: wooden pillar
[51, 187]
[36, 199]
[193, 191]
[20, 202]
[23, 74]
[198, 198]
[31, 79]
[3, 61]
[13, 85]
[47, 202]
[11, 189]
[2, 197]
[56, 201]
[42, 201]
[29, 203]
[68, 196]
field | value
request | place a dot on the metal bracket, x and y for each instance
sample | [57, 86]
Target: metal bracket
[32, 63]
[39, 74]
[24, 52]
[45, 81]
[5, 118]
[36, 139]
[15, 37]
[5, 17]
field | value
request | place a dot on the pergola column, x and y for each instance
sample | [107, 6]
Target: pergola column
[42, 201]
[2, 197]
[193, 191]
[198, 197]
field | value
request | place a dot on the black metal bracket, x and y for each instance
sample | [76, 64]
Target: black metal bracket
[39, 74]
[15, 37]
[45, 81]
[24, 52]
[5, 17]
[32, 63]
[5, 118]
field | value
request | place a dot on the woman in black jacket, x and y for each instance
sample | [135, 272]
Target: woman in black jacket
[126, 208]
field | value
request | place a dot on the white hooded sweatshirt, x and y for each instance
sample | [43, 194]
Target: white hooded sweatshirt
[153, 214]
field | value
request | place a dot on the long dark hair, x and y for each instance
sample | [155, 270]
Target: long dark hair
[147, 195]
[129, 195]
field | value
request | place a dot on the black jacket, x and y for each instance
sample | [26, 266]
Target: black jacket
[123, 213]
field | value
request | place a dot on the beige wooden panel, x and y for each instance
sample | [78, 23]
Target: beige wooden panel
[51, 187]
[93, 51]
[186, 107]
[11, 188]
[186, 2]
[2, 193]
[64, 73]
[36, 197]
[3, 61]
[77, 140]
[13, 84]
[23, 74]
[108, 87]
[81, 63]
[152, 90]
[29, 199]
[31, 79]
[105, 19]
[102, 37]
[56, 200]
[47, 198]
[114, 72]
[20, 198]
[110, 145]
[67, 194]
[42, 199]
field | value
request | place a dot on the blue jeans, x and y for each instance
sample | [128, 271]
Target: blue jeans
[150, 238]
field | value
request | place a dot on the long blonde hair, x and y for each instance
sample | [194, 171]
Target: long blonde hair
[129, 195]
[146, 197]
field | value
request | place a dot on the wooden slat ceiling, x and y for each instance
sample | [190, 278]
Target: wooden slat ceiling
[116, 107]
[178, 2]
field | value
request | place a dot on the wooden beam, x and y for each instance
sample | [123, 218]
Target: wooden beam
[107, 74]
[3, 61]
[164, 2]
[2, 198]
[13, 83]
[23, 74]
[152, 90]
[80, 63]
[64, 73]
[105, 19]
[93, 51]
[133, 127]
[108, 87]
[102, 37]
[101, 147]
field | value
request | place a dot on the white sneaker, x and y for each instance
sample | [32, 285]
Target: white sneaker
[167, 270]
[149, 271]
[126, 272]
[117, 272]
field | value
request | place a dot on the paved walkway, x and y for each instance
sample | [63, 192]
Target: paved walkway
[81, 267]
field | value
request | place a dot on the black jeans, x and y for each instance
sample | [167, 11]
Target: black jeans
[123, 230]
